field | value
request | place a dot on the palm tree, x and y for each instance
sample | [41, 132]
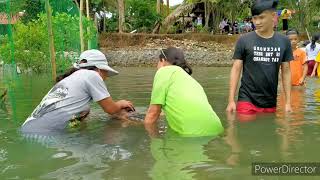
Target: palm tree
[174, 15]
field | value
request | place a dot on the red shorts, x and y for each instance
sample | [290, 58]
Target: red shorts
[246, 111]
[311, 64]
[245, 107]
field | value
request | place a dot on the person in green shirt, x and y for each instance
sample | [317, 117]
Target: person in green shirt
[182, 99]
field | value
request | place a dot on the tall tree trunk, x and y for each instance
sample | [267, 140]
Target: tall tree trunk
[168, 7]
[213, 20]
[81, 26]
[51, 40]
[121, 15]
[159, 6]
[88, 28]
[207, 14]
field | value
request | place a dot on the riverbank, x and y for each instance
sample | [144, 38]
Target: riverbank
[143, 49]
[123, 49]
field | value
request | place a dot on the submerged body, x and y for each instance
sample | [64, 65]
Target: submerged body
[68, 100]
[185, 103]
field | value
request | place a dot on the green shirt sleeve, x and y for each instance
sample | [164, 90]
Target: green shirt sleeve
[160, 86]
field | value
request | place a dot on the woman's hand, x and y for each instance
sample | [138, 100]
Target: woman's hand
[125, 104]
[111, 107]
[313, 74]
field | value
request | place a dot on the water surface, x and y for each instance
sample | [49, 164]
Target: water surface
[104, 149]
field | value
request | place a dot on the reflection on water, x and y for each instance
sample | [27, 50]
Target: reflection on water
[105, 149]
[177, 156]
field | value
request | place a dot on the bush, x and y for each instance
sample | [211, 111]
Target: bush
[31, 42]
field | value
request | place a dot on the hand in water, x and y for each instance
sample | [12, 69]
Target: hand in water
[231, 107]
[124, 104]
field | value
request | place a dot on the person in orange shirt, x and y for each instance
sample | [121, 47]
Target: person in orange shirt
[298, 66]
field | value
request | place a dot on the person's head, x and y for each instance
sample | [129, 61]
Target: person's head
[95, 58]
[173, 56]
[91, 60]
[263, 14]
[293, 36]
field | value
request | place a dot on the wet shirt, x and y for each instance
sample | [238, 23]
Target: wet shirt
[184, 102]
[296, 66]
[261, 63]
[68, 99]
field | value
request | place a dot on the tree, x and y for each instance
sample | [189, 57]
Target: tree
[141, 15]
[174, 15]
[168, 7]
[81, 26]
[306, 12]
[51, 40]
[121, 15]
[32, 9]
[159, 6]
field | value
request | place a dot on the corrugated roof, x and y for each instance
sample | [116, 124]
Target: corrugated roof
[4, 18]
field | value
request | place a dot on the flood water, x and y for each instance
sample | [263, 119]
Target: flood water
[105, 149]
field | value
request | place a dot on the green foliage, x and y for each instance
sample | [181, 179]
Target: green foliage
[307, 12]
[31, 42]
[14, 7]
[201, 29]
[141, 14]
[32, 8]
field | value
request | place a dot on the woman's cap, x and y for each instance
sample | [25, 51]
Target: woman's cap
[262, 5]
[95, 58]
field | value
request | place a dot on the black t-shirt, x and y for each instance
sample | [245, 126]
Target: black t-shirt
[261, 62]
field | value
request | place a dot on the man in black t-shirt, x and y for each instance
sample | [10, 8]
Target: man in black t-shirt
[259, 55]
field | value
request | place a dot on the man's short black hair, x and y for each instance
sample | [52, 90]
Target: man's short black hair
[262, 5]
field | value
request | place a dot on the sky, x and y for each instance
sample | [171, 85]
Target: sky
[174, 2]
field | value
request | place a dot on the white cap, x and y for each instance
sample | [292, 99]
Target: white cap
[95, 58]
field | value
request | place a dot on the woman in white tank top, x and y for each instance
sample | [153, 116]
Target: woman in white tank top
[312, 51]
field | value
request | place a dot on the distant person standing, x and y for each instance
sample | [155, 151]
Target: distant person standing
[286, 15]
[222, 25]
[199, 20]
[298, 66]
[312, 51]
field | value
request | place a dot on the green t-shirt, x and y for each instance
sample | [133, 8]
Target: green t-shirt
[184, 102]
